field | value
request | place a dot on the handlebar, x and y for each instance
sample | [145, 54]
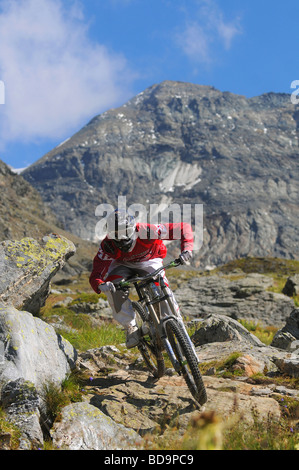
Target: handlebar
[130, 282]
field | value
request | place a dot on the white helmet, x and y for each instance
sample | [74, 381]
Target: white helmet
[121, 229]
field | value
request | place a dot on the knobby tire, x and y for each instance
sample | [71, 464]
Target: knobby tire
[187, 360]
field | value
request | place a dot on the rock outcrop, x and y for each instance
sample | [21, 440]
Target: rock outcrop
[27, 267]
[31, 353]
[288, 336]
[292, 286]
[85, 427]
[238, 296]
[22, 211]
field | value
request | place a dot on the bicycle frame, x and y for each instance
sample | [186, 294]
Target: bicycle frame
[142, 286]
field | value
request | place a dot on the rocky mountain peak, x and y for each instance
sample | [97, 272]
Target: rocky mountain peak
[186, 144]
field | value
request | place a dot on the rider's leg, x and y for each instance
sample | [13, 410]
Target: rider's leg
[119, 302]
[121, 305]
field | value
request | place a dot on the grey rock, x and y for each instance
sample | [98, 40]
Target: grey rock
[27, 267]
[243, 298]
[219, 328]
[133, 399]
[287, 336]
[288, 366]
[292, 286]
[85, 427]
[283, 340]
[282, 390]
[31, 350]
[21, 403]
[261, 392]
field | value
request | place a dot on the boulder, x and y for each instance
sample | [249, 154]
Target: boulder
[289, 366]
[219, 328]
[219, 336]
[31, 350]
[291, 286]
[84, 427]
[31, 356]
[27, 267]
[288, 336]
[21, 403]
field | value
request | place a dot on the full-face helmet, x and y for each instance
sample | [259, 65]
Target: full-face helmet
[121, 229]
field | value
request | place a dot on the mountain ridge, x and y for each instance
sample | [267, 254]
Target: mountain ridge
[24, 215]
[184, 143]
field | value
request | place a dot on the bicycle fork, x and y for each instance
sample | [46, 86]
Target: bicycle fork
[176, 314]
[160, 326]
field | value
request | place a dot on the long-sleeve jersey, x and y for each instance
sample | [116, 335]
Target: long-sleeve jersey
[148, 245]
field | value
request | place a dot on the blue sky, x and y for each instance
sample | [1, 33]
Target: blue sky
[63, 62]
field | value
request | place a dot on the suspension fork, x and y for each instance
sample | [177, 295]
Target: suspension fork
[175, 313]
[159, 325]
[144, 296]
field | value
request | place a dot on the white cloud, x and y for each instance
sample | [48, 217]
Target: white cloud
[195, 43]
[206, 31]
[54, 75]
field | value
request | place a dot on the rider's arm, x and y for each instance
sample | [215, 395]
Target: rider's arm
[100, 268]
[172, 231]
[186, 235]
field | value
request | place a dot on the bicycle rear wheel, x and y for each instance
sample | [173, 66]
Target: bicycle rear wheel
[149, 346]
[187, 360]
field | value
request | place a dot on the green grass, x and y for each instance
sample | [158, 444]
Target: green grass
[274, 266]
[55, 397]
[92, 298]
[207, 431]
[8, 432]
[264, 334]
[261, 435]
[80, 329]
[87, 336]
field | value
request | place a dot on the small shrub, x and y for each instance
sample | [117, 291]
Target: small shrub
[55, 397]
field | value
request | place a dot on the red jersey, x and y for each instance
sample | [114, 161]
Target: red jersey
[148, 245]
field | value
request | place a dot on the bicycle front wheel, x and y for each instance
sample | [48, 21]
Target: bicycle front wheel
[150, 345]
[188, 361]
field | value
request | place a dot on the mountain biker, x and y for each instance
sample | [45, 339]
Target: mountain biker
[133, 248]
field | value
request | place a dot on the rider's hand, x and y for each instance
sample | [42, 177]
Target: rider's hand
[107, 287]
[185, 256]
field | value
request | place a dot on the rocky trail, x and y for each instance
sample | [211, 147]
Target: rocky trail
[120, 405]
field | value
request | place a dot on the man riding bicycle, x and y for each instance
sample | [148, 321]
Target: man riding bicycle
[133, 248]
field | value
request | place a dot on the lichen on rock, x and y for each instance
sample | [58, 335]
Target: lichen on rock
[27, 267]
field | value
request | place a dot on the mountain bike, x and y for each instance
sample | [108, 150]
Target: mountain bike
[162, 329]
